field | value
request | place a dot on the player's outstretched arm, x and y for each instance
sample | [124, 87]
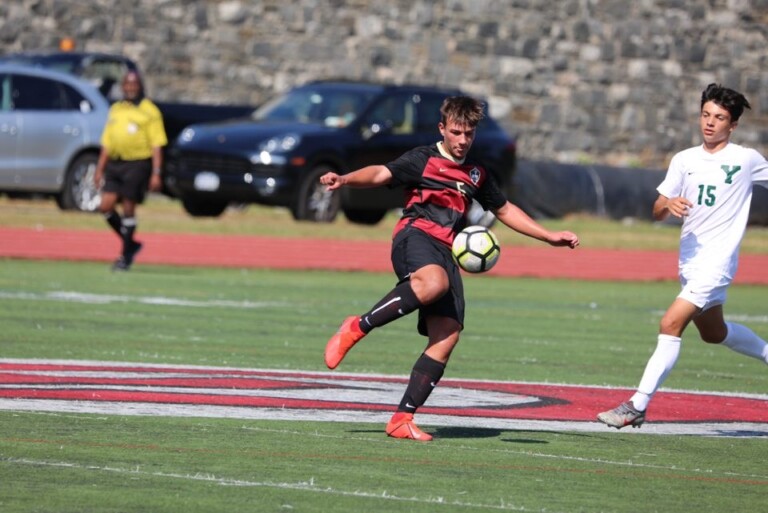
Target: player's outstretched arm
[512, 216]
[369, 176]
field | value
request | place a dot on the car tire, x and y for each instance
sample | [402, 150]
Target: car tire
[203, 207]
[79, 191]
[362, 216]
[313, 202]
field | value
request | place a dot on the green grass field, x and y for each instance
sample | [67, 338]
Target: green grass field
[555, 331]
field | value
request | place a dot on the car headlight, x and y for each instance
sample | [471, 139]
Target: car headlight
[280, 144]
[187, 135]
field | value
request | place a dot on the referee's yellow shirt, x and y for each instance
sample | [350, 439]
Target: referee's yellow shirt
[133, 130]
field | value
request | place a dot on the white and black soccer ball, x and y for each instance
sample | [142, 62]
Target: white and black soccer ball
[476, 249]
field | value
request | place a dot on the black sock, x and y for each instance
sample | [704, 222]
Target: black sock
[425, 376]
[114, 221]
[127, 229]
[398, 303]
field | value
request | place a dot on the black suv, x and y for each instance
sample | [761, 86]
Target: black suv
[277, 155]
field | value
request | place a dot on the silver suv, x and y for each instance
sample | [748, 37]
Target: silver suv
[50, 126]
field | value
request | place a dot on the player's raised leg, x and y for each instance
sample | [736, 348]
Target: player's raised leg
[398, 303]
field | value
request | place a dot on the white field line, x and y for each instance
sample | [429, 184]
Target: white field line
[307, 486]
[103, 299]
[740, 430]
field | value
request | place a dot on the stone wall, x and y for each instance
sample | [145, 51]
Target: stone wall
[590, 81]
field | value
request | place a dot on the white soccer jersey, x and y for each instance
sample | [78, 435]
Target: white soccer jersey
[720, 187]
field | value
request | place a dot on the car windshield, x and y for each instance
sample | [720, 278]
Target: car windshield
[333, 108]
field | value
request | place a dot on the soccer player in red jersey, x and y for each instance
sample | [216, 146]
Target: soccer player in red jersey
[440, 183]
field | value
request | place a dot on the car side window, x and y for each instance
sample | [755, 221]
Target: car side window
[428, 113]
[98, 68]
[395, 113]
[73, 100]
[36, 93]
[105, 74]
[341, 110]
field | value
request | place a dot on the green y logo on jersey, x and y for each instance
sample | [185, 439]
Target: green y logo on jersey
[707, 193]
[729, 172]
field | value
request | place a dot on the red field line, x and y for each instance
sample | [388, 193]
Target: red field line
[312, 253]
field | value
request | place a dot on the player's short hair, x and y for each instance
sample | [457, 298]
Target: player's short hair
[732, 101]
[462, 110]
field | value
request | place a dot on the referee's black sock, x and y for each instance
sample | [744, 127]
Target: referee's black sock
[127, 230]
[425, 376]
[114, 221]
[398, 303]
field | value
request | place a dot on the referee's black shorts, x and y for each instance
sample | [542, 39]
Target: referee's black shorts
[412, 249]
[129, 179]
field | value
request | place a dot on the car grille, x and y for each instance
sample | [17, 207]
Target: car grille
[216, 163]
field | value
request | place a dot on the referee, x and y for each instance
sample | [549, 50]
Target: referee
[129, 163]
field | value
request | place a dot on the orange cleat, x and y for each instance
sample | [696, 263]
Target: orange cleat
[401, 426]
[347, 336]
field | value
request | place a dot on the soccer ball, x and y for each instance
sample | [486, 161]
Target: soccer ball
[476, 249]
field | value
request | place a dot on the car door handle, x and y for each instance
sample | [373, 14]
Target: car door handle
[71, 130]
[8, 129]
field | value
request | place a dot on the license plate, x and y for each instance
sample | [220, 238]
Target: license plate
[206, 181]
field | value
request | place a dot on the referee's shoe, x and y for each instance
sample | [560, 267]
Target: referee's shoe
[124, 261]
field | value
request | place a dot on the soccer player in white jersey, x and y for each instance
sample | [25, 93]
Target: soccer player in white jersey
[710, 187]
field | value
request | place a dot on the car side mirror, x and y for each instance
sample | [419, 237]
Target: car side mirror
[85, 107]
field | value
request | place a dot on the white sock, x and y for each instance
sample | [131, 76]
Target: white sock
[743, 340]
[659, 365]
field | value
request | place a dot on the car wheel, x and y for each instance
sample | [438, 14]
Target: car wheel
[203, 207]
[361, 216]
[313, 202]
[79, 191]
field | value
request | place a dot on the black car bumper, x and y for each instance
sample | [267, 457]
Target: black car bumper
[269, 185]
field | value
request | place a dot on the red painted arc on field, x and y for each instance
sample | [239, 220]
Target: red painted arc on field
[291, 253]
[203, 386]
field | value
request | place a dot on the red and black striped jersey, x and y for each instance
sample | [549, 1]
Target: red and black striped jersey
[439, 191]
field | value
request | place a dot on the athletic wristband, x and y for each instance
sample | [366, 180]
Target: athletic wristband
[155, 171]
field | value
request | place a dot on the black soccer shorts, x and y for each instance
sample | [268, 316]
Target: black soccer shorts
[412, 249]
[129, 179]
